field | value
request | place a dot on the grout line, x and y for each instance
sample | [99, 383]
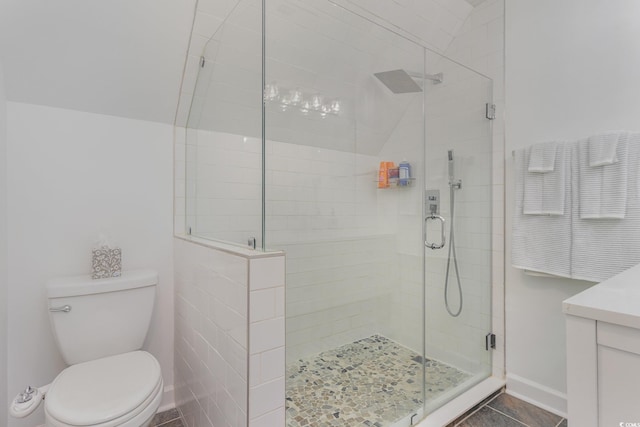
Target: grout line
[560, 422]
[494, 398]
[468, 416]
[477, 409]
[168, 421]
[508, 416]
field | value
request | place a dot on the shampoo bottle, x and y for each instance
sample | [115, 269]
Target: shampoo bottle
[405, 173]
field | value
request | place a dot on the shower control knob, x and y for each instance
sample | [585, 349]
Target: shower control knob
[29, 390]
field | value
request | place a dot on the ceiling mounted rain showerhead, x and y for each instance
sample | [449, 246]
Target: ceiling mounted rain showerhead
[399, 81]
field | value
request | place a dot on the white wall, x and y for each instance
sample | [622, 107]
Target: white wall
[571, 70]
[70, 175]
[129, 61]
[3, 251]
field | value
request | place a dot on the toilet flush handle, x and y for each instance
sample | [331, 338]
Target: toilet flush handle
[64, 309]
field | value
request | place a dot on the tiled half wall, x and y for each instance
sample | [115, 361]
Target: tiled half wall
[229, 332]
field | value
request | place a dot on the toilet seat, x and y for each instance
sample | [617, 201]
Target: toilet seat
[121, 390]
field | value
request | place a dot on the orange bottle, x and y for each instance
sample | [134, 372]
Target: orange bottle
[383, 175]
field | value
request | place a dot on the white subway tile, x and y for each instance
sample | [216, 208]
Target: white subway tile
[267, 272]
[263, 304]
[272, 364]
[271, 419]
[266, 335]
[266, 397]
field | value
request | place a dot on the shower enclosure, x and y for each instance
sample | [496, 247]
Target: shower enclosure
[298, 107]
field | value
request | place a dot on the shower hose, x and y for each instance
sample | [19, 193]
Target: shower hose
[452, 250]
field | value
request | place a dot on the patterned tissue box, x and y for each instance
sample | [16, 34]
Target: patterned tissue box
[106, 262]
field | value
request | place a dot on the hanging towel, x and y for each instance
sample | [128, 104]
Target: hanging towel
[602, 148]
[544, 193]
[542, 158]
[542, 243]
[603, 248]
[603, 189]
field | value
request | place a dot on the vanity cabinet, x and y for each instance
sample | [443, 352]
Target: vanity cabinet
[603, 353]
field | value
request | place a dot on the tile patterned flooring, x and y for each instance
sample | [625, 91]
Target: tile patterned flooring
[507, 411]
[501, 410]
[170, 418]
[371, 382]
[374, 382]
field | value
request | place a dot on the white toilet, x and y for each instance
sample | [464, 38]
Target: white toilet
[99, 326]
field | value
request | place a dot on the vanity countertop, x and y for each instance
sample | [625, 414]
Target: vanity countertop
[616, 300]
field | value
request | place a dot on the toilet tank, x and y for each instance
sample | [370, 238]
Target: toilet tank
[99, 318]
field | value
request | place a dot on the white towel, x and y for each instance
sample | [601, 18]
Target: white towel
[542, 158]
[541, 243]
[544, 193]
[602, 148]
[603, 189]
[603, 248]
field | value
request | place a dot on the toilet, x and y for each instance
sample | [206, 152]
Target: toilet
[99, 327]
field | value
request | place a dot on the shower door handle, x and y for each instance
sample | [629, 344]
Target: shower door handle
[426, 239]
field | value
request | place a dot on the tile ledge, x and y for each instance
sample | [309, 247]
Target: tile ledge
[228, 248]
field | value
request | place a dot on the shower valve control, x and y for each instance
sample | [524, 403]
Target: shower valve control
[432, 202]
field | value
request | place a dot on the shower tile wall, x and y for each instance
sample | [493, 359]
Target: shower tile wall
[217, 365]
[323, 211]
[337, 292]
[211, 352]
[312, 193]
[267, 341]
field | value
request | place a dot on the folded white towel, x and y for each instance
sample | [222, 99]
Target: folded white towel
[541, 243]
[602, 148]
[544, 193]
[542, 158]
[603, 189]
[603, 248]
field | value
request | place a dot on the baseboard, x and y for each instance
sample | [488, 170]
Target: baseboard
[537, 394]
[168, 399]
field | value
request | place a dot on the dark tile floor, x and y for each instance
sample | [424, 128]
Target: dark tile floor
[500, 410]
[507, 411]
[170, 418]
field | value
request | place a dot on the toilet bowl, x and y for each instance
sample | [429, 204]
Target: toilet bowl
[124, 390]
[99, 326]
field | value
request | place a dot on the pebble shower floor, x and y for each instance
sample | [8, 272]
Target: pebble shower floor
[371, 382]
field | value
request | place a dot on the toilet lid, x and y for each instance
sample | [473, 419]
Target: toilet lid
[101, 390]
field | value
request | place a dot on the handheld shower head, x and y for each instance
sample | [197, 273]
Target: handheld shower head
[455, 184]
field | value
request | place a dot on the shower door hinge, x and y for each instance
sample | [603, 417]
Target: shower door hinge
[490, 341]
[252, 242]
[490, 111]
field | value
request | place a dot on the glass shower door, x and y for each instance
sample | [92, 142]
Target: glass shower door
[458, 276]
